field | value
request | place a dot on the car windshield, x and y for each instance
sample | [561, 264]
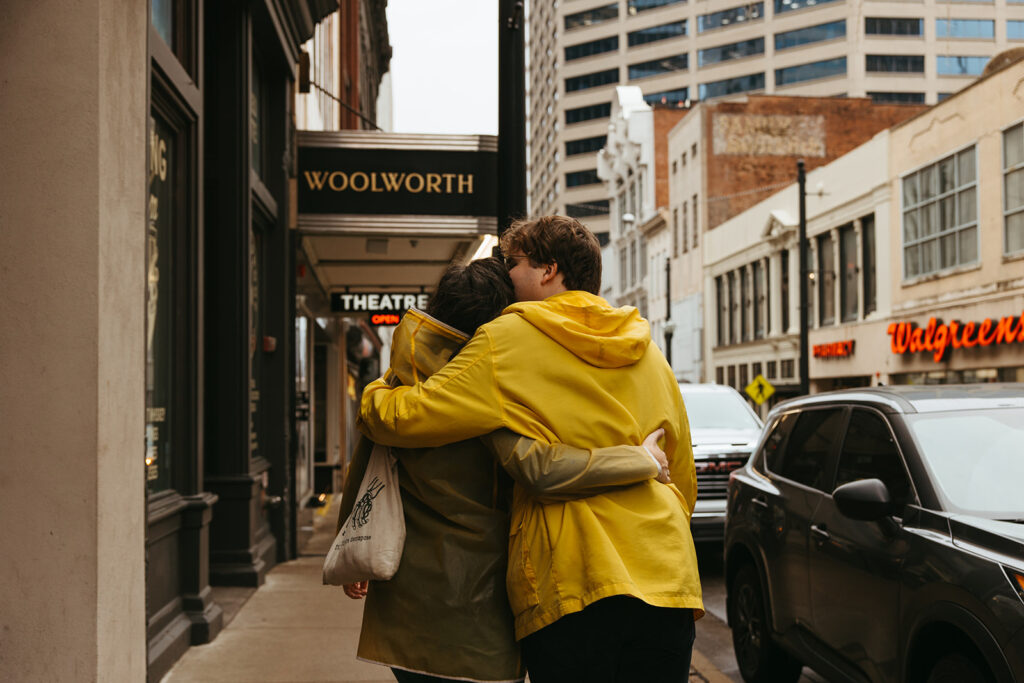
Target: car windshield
[976, 458]
[718, 410]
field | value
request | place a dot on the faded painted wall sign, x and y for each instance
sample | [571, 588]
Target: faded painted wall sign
[769, 135]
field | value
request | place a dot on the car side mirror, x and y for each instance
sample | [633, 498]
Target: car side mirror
[865, 499]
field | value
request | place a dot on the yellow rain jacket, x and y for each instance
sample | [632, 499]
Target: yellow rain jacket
[445, 612]
[574, 370]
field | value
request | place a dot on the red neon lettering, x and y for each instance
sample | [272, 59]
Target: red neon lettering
[916, 343]
[941, 341]
[984, 338]
[954, 338]
[1006, 331]
[929, 335]
[965, 338]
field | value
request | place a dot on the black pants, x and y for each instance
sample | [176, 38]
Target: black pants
[615, 640]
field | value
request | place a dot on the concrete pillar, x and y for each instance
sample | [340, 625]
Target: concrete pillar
[73, 83]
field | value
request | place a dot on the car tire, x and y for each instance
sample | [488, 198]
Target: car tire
[957, 667]
[759, 658]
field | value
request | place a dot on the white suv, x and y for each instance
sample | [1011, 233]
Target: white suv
[724, 431]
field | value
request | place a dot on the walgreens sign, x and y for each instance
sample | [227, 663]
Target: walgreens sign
[938, 337]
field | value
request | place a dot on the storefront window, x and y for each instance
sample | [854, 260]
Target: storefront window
[255, 305]
[159, 305]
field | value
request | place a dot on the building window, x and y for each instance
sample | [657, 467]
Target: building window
[595, 207]
[744, 377]
[848, 276]
[809, 72]
[940, 215]
[637, 6]
[623, 269]
[891, 26]
[677, 97]
[594, 111]
[897, 97]
[809, 267]
[895, 64]
[643, 258]
[656, 67]
[696, 223]
[577, 178]
[1013, 188]
[960, 66]
[744, 305]
[767, 296]
[1014, 29]
[784, 289]
[782, 6]
[755, 369]
[725, 53]
[811, 34]
[653, 34]
[594, 47]
[675, 232]
[592, 16]
[593, 80]
[731, 313]
[758, 300]
[867, 243]
[769, 368]
[632, 263]
[786, 367]
[720, 375]
[684, 231]
[720, 312]
[965, 28]
[730, 17]
[730, 86]
[584, 145]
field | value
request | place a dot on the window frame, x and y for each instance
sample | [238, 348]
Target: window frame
[832, 458]
[1005, 172]
[957, 189]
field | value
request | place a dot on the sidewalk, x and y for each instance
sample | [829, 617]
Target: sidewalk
[295, 630]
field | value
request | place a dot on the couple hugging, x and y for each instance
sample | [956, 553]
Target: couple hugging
[525, 413]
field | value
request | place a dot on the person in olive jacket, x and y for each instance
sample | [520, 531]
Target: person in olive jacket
[604, 588]
[445, 613]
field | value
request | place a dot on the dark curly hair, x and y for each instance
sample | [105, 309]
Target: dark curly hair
[562, 240]
[470, 295]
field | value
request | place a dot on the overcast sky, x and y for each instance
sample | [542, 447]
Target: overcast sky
[444, 66]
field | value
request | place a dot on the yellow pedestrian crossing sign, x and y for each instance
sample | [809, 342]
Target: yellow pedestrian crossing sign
[760, 389]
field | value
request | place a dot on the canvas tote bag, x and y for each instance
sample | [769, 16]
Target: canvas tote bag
[369, 545]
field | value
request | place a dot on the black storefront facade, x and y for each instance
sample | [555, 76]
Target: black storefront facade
[221, 506]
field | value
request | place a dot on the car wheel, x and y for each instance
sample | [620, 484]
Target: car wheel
[760, 660]
[958, 668]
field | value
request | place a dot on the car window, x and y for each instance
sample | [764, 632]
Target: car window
[810, 446]
[776, 438]
[718, 410]
[870, 452]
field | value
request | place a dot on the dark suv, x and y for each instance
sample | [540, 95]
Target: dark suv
[878, 535]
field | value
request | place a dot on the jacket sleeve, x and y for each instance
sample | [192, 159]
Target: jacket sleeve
[554, 473]
[353, 478]
[458, 402]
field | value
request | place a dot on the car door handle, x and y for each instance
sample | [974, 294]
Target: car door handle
[820, 532]
[760, 502]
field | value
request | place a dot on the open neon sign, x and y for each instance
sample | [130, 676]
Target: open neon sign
[938, 337]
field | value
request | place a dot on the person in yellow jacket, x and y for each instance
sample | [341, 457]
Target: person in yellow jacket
[445, 615]
[604, 588]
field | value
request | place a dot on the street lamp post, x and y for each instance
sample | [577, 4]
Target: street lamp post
[801, 179]
[670, 327]
[511, 113]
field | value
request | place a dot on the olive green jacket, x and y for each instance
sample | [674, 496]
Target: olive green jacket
[446, 611]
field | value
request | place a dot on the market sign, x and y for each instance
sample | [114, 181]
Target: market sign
[378, 303]
[938, 337]
[840, 349]
[414, 182]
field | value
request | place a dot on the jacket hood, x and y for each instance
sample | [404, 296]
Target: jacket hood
[421, 346]
[589, 327]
